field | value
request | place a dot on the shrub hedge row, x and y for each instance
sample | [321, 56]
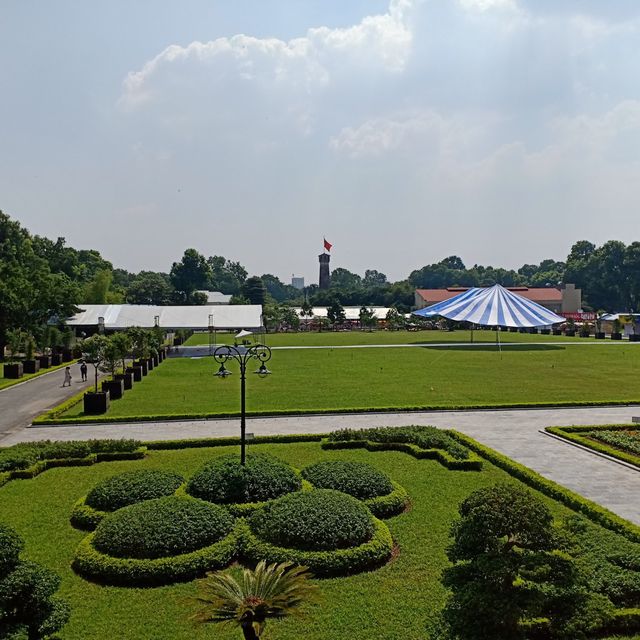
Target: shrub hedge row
[85, 517]
[320, 520]
[49, 419]
[369, 555]
[549, 488]
[472, 463]
[224, 480]
[194, 443]
[162, 528]
[131, 487]
[390, 505]
[359, 479]
[91, 563]
[580, 435]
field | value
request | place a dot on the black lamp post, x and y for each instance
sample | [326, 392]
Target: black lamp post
[242, 355]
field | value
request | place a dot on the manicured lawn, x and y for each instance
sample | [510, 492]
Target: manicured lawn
[330, 379]
[393, 602]
[314, 338]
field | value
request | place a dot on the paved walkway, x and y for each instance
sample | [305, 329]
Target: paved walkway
[21, 403]
[516, 433]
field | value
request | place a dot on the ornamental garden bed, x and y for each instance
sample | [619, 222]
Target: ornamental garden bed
[394, 600]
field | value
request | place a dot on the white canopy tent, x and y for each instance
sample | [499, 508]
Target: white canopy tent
[122, 316]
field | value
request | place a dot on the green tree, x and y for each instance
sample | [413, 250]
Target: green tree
[290, 318]
[122, 345]
[189, 275]
[94, 351]
[336, 314]
[29, 608]
[395, 320]
[367, 318]
[140, 347]
[373, 278]
[150, 287]
[30, 294]
[269, 591]
[97, 291]
[254, 290]
[508, 571]
[344, 279]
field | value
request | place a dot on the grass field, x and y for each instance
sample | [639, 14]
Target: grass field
[393, 602]
[331, 379]
[314, 338]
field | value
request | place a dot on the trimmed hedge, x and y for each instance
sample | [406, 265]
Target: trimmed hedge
[227, 441]
[85, 517]
[359, 479]
[224, 480]
[593, 511]
[472, 463]
[319, 520]
[367, 556]
[390, 505]
[161, 528]
[131, 487]
[580, 435]
[132, 572]
[50, 419]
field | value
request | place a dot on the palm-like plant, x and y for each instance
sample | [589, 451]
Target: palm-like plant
[269, 591]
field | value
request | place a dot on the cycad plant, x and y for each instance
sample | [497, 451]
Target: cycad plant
[269, 591]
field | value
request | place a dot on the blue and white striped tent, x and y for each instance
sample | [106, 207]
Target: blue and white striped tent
[493, 306]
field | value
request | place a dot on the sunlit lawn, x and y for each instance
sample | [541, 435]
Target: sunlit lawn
[330, 379]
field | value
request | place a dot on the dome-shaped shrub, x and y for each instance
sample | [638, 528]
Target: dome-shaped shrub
[162, 527]
[225, 481]
[11, 544]
[132, 487]
[358, 479]
[316, 520]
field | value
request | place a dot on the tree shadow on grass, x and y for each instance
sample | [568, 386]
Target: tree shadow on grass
[510, 346]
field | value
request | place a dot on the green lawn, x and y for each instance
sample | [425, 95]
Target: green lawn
[330, 379]
[314, 338]
[393, 602]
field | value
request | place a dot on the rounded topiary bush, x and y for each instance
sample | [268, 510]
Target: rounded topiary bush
[315, 520]
[132, 487]
[225, 481]
[162, 527]
[358, 479]
[11, 544]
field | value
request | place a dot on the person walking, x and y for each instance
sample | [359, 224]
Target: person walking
[67, 377]
[83, 370]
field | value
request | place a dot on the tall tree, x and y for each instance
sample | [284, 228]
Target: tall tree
[150, 287]
[254, 290]
[373, 277]
[190, 274]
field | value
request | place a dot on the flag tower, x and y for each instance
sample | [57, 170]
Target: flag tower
[324, 258]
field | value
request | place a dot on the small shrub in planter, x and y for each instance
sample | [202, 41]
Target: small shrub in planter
[114, 387]
[358, 479]
[13, 370]
[96, 403]
[45, 361]
[142, 365]
[155, 360]
[225, 481]
[162, 528]
[126, 378]
[150, 364]
[132, 487]
[136, 372]
[317, 520]
[56, 359]
[616, 336]
[31, 366]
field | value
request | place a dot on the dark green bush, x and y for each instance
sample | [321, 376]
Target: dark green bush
[369, 555]
[390, 505]
[421, 436]
[131, 487]
[11, 544]
[161, 527]
[314, 520]
[224, 480]
[358, 479]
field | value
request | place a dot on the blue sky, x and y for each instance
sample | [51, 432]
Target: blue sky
[404, 131]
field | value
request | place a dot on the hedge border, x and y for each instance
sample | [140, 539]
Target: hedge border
[91, 563]
[391, 504]
[367, 556]
[85, 517]
[48, 418]
[572, 434]
[593, 511]
[42, 465]
[472, 463]
[226, 441]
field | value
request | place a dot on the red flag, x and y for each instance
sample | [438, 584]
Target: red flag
[327, 245]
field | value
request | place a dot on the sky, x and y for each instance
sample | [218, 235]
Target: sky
[403, 131]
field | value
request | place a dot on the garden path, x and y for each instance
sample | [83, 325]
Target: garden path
[515, 433]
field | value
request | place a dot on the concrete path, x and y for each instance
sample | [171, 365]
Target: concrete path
[21, 403]
[516, 433]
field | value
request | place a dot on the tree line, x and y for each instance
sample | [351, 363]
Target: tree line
[41, 278]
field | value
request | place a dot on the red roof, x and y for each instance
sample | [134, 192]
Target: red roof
[540, 295]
